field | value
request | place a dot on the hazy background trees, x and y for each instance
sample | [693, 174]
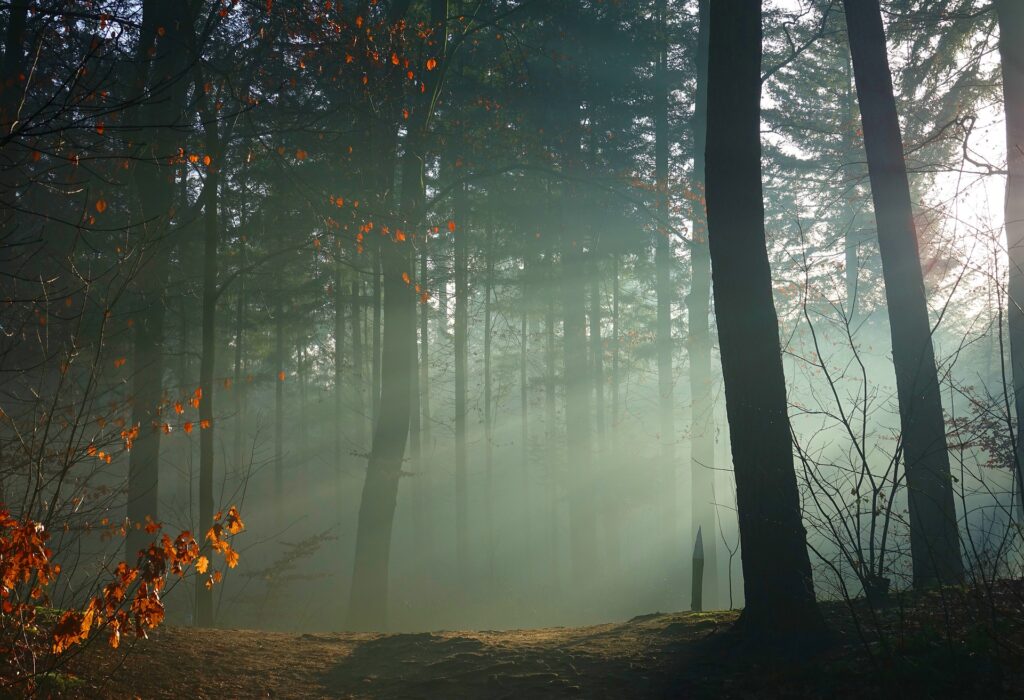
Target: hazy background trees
[425, 289]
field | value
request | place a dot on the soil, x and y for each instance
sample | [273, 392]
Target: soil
[691, 655]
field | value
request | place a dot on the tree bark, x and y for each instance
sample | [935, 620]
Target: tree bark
[368, 604]
[702, 425]
[461, 370]
[664, 291]
[1011, 56]
[153, 181]
[776, 567]
[934, 535]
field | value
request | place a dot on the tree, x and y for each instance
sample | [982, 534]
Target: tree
[1011, 57]
[776, 568]
[934, 536]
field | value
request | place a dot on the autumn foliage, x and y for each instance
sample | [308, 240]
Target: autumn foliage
[129, 603]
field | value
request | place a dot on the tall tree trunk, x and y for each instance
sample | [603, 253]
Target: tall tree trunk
[358, 389]
[368, 604]
[550, 417]
[776, 567]
[238, 383]
[339, 375]
[597, 351]
[461, 275]
[702, 424]
[279, 378]
[488, 414]
[934, 535]
[204, 594]
[578, 433]
[424, 536]
[664, 290]
[1011, 55]
[375, 366]
[166, 59]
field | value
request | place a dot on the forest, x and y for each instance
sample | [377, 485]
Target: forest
[676, 346]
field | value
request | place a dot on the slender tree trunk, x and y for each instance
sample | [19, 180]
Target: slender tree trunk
[461, 275]
[934, 535]
[238, 383]
[279, 378]
[211, 231]
[664, 291]
[1011, 54]
[368, 605]
[376, 329]
[578, 432]
[488, 414]
[597, 351]
[155, 188]
[358, 389]
[424, 530]
[702, 425]
[339, 375]
[550, 417]
[776, 567]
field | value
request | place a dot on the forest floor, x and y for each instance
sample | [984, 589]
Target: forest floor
[934, 650]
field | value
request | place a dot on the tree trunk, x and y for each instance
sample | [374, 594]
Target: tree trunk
[934, 535]
[339, 374]
[152, 174]
[578, 432]
[461, 370]
[488, 436]
[777, 570]
[424, 536]
[702, 425]
[279, 377]
[358, 390]
[665, 293]
[1011, 55]
[204, 595]
[368, 604]
[239, 383]
[375, 366]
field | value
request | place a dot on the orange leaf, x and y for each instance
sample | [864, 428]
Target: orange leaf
[301, 154]
[202, 563]
[451, 226]
[187, 427]
[101, 205]
[405, 277]
[431, 63]
[280, 376]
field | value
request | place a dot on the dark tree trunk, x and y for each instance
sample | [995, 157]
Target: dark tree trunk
[1011, 55]
[375, 360]
[461, 370]
[279, 377]
[211, 232]
[702, 425]
[934, 535]
[488, 412]
[777, 571]
[368, 604]
[358, 389]
[664, 290]
[239, 384]
[166, 58]
[421, 395]
[339, 375]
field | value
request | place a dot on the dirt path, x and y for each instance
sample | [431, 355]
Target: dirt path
[631, 659]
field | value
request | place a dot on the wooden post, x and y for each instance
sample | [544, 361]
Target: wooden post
[697, 592]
